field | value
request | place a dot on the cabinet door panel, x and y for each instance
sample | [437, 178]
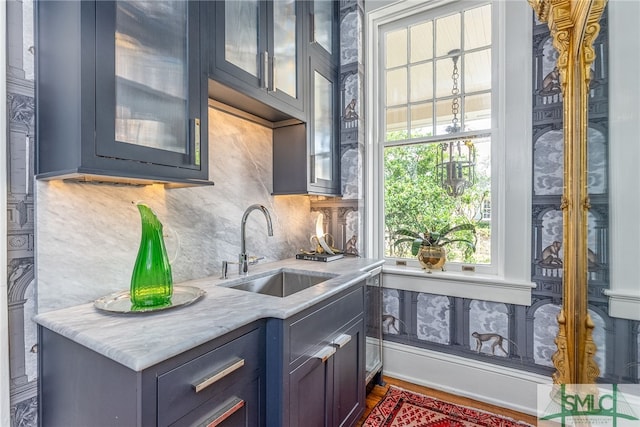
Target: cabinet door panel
[241, 35]
[285, 62]
[309, 394]
[323, 131]
[349, 386]
[323, 24]
[152, 85]
[147, 92]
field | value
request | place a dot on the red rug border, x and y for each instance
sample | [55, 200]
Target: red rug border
[382, 414]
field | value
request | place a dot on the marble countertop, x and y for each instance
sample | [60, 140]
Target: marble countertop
[139, 341]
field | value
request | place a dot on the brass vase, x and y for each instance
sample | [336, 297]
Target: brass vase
[432, 257]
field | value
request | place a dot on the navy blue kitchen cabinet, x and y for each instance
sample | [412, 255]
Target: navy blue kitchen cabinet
[306, 156]
[316, 364]
[256, 59]
[121, 91]
[221, 382]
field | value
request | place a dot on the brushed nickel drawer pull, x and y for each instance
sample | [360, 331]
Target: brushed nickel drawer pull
[234, 406]
[341, 341]
[325, 353]
[207, 381]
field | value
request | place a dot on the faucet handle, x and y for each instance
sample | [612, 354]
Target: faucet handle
[253, 260]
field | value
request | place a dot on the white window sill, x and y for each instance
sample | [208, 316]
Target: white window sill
[463, 285]
[623, 304]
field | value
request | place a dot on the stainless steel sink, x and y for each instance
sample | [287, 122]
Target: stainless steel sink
[281, 283]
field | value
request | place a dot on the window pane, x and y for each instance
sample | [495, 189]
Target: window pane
[414, 199]
[444, 79]
[477, 112]
[397, 86]
[444, 117]
[477, 27]
[422, 120]
[477, 71]
[421, 41]
[396, 124]
[396, 48]
[447, 34]
[421, 82]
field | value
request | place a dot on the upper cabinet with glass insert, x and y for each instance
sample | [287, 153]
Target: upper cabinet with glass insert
[306, 157]
[121, 91]
[256, 57]
[324, 31]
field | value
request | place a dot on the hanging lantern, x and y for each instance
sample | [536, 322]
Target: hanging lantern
[456, 167]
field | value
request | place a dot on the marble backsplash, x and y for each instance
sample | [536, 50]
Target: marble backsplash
[88, 234]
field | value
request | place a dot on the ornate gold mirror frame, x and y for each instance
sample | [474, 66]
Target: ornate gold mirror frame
[574, 26]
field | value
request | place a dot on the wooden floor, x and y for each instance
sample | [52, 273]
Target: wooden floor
[378, 392]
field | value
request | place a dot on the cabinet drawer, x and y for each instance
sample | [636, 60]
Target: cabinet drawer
[238, 407]
[309, 332]
[213, 374]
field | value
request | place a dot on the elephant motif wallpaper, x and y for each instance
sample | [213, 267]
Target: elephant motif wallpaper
[523, 337]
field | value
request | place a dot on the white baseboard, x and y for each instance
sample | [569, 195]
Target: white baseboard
[493, 384]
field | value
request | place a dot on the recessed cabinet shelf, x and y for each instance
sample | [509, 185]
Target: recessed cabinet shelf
[121, 92]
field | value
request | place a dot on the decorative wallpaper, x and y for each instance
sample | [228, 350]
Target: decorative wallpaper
[83, 245]
[523, 337]
[206, 220]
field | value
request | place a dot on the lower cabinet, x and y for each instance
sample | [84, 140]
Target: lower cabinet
[307, 370]
[218, 383]
[326, 390]
[320, 362]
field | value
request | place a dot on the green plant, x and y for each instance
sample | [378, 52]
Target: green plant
[437, 238]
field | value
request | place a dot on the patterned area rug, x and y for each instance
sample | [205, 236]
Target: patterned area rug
[407, 409]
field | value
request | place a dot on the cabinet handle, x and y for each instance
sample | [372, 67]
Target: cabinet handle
[210, 379]
[265, 64]
[229, 409]
[273, 74]
[325, 353]
[196, 141]
[312, 169]
[341, 341]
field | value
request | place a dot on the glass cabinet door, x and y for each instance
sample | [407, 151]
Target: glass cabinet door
[148, 102]
[242, 34]
[151, 78]
[322, 168]
[322, 28]
[285, 64]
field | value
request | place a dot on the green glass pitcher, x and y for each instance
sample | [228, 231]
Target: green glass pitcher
[151, 280]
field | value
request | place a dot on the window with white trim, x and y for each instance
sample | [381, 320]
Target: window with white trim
[436, 129]
[419, 107]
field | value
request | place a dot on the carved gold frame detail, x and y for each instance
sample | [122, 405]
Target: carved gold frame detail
[574, 25]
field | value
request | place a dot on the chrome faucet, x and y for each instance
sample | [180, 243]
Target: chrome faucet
[243, 259]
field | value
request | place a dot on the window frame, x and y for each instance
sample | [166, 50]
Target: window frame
[509, 275]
